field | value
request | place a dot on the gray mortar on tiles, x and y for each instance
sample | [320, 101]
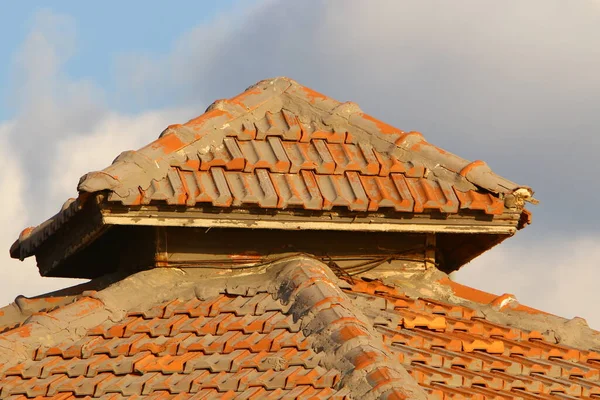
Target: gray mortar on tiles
[425, 284]
[282, 93]
[157, 286]
[162, 284]
[151, 288]
[317, 322]
[150, 165]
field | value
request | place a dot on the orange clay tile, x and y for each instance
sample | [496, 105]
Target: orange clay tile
[226, 346]
[241, 135]
[280, 146]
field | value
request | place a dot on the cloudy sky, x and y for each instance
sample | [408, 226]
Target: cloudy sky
[515, 83]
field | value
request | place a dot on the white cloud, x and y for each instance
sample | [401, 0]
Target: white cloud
[73, 157]
[98, 146]
[514, 84]
[62, 130]
[556, 274]
[16, 277]
[50, 105]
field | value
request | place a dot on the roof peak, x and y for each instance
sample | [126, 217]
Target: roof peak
[285, 149]
[304, 107]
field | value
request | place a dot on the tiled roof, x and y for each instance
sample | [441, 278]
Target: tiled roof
[292, 329]
[454, 351]
[282, 146]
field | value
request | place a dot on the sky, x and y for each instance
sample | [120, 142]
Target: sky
[514, 83]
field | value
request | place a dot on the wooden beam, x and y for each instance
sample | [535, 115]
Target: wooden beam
[190, 220]
[222, 248]
[430, 248]
[161, 257]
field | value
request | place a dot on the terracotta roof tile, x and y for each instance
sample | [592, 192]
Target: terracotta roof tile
[326, 159]
[280, 145]
[241, 346]
[468, 356]
[293, 331]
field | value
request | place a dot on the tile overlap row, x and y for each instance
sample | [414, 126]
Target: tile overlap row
[278, 343]
[455, 353]
[282, 146]
[231, 346]
[318, 170]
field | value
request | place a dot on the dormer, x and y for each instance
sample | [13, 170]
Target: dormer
[275, 171]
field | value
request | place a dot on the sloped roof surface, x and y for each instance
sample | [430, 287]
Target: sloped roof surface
[280, 145]
[293, 329]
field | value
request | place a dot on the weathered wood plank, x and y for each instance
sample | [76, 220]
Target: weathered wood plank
[262, 222]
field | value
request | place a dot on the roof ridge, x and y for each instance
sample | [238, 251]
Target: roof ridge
[45, 328]
[13, 314]
[71, 321]
[407, 144]
[343, 333]
[151, 161]
[307, 287]
[280, 145]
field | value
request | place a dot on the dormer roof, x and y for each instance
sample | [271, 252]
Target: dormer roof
[282, 156]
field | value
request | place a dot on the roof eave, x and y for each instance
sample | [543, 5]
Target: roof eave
[31, 238]
[114, 213]
[505, 224]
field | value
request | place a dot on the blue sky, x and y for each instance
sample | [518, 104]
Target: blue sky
[104, 31]
[513, 83]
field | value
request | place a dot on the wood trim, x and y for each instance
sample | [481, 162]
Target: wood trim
[161, 256]
[188, 220]
[430, 247]
[70, 238]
